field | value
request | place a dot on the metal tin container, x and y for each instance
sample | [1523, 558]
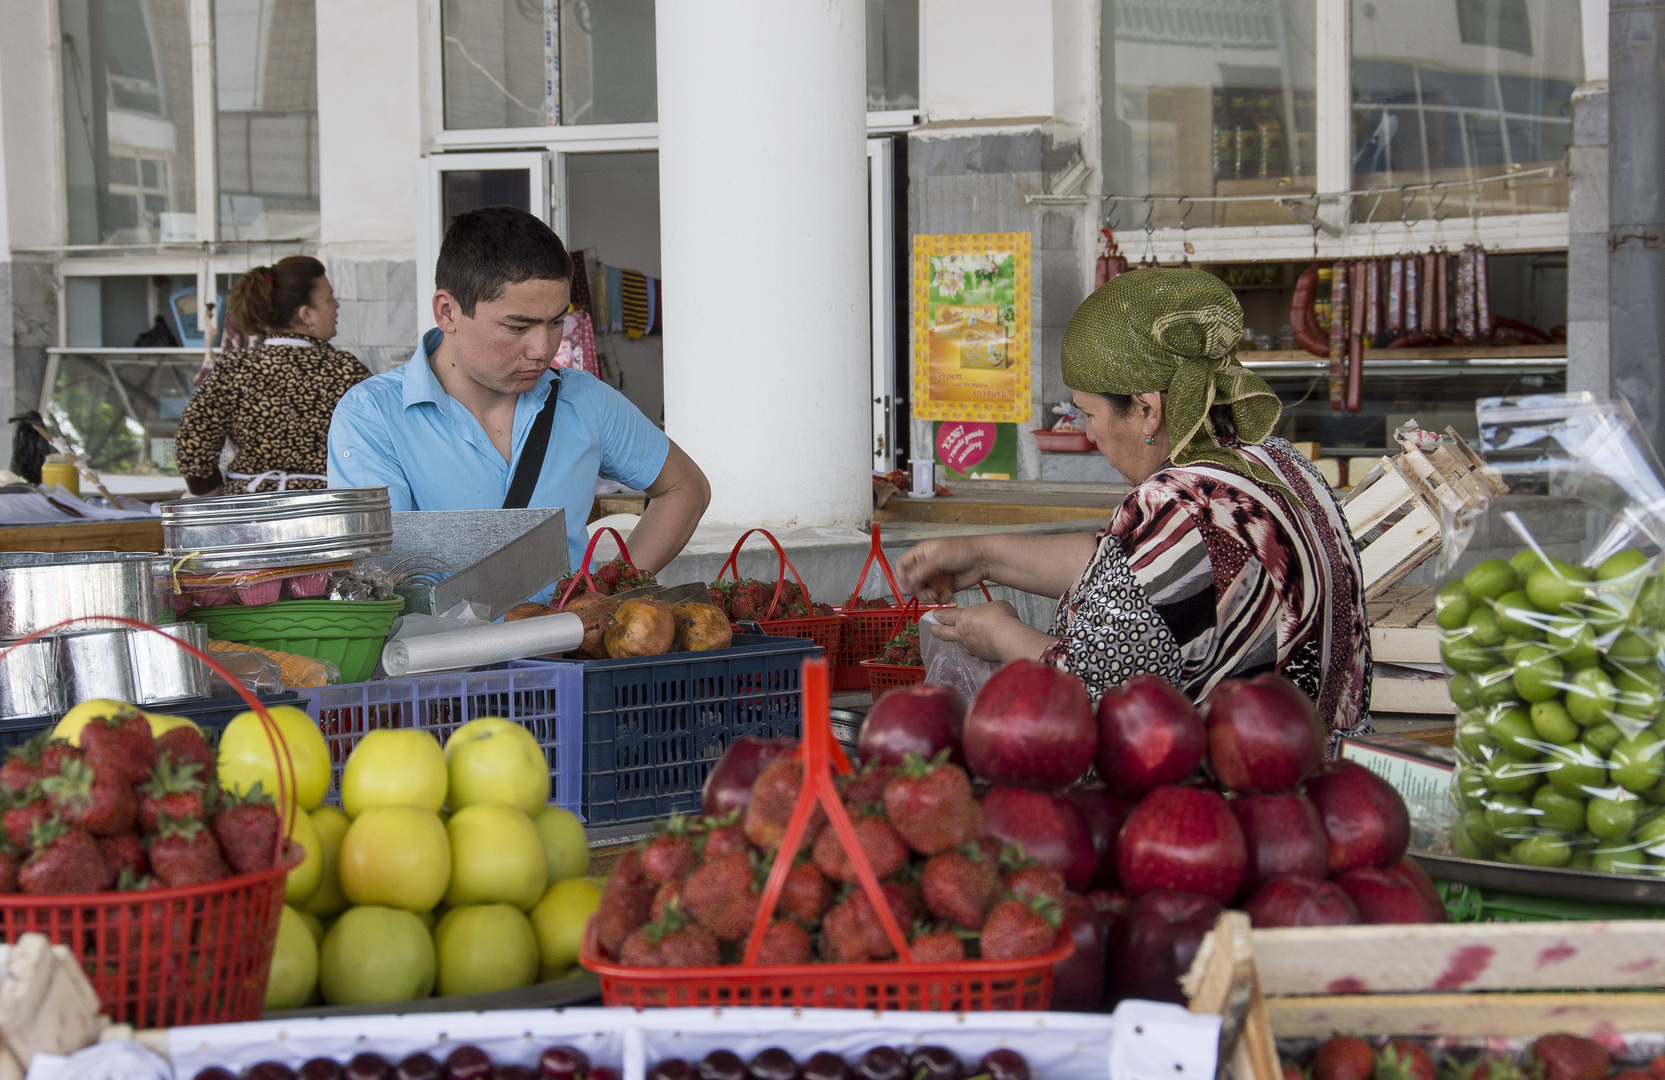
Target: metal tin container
[29, 684]
[96, 665]
[41, 589]
[277, 529]
[161, 670]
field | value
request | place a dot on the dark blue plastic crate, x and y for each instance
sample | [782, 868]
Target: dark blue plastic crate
[211, 715]
[655, 725]
[545, 699]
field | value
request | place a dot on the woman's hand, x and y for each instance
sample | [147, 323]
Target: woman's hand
[935, 569]
[992, 632]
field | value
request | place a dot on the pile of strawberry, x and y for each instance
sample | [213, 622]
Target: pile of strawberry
[126, 810]
[903, 648]
[749, 598]
[867, 603]
[1550, 1057]
[689, 897]
[614, 577]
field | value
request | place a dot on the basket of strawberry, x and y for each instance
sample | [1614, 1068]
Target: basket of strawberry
[617, 576]
[871, 624]
[712, 914]
[121, 846]
[783, 608]
[898, 662]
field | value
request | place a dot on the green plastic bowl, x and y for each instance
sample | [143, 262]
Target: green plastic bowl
[347, 633]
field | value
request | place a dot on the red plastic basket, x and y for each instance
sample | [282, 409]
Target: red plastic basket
[867, 629]
[904, 984]
[882, 677]
[197, 954]
[826, 631]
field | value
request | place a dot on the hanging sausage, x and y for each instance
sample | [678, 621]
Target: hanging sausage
[1373, 290]
[1355, 337]
[1338, 335]
[1111, 262]
[1482, 294]
[1396, 294]
[1442, 292]
[1409, 321]
[1465, 293]
[1301, 319]
[1426, 311]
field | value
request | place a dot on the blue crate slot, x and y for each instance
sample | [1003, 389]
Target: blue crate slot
[545, 699]
[655, 725]
[211, 715]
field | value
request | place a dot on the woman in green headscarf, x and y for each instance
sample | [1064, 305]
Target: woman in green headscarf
[1230, 557]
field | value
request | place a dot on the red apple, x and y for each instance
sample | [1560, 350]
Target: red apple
[1365, 820]
[1264, 734]
[1078, 981]
[1409, 869]
[1104, 814]
[1030, 725]
[1284, 835]
[1182, 838]
[728, 786]
[920, 719]
[1109, 905]
[1385, 896]
[1048, 827]
[1155, 943]
[1299, 901]
[1149, 734]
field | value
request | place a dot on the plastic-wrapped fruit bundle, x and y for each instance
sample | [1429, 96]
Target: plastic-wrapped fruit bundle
[258, 593]
[307, 586]
[1557, 671]
[210, 595]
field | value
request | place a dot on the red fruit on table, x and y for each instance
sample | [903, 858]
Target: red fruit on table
[922, 719]
[1104, 814]
[1155, 942]
[882, 1063]
[1078, 980]
[269, 1070]
[247, 829]
[1264, 734]
[368, 1066]
[1004, 1065]
[514, 1072]
[1284, 836]
[468, 1063]
[419, 1067]
[1184, 839]
[186, 746]
[774, 796]
[866, 784]
[1048, 827]
[185, 853]
[1402, 1059]
[214, 1072]
[626, 902]
[99, 800]
[880, 842]
[826, 1065]
[785, 943]
[1344, 1057]
[930, 803]
[173, 789]
[1384, 896]
[807, 894]
[1031, 725]
[1569, 1057]
[124, 852]
[1299, 901]
[1034, 881]
[318, 1068]
[937, 1063]
[721, 1065]
[123, 742]
[1365, 820]
[960, 886]
[671, 1069]
[1109, 905]
[1019, 928]
[1418, 879]
[773, 1064]
[65, 860]
[605, 1072]
[1149, 735]
[728, 786]
[939, 947]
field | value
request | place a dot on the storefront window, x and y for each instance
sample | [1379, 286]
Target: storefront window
[892, 55]
[129, 161]
[266, 71]
[1458, 89]
[1207, 98]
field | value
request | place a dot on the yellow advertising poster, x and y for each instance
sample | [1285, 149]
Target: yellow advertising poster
[971, 327]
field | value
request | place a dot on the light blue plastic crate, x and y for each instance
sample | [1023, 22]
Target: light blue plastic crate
[546, 699]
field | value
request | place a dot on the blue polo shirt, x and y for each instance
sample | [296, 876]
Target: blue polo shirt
[402, 430]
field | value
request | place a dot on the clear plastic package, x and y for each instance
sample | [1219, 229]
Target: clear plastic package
[1552, 616]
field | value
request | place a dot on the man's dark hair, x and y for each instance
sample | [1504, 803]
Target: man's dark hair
[488, 249]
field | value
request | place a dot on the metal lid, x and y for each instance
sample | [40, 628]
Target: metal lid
[273, 506]
[277, 529]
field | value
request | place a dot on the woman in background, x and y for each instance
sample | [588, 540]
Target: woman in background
[272, 400]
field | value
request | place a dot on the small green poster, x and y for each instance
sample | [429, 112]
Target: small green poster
[977, 451]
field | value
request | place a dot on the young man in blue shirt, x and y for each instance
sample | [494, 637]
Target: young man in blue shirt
[458, 427]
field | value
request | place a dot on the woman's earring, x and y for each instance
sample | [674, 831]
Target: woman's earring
[1148, 440]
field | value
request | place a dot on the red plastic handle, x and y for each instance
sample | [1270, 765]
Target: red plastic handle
[584, 564]
[733, 564]
[274, 735]
[875, 552]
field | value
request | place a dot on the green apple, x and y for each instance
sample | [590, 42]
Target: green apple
[1551, 722]
[1452, 605]
[1490, 579]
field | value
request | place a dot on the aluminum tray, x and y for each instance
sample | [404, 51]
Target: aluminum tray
[41, 589]
[277, 529]
[1542, 881]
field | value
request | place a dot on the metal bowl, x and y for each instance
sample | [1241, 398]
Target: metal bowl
[278, 528]
[161, 670]
[40, 589]
[96, 665]
[29, 683]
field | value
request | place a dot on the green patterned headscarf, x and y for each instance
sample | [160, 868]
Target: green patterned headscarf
[1174, 331]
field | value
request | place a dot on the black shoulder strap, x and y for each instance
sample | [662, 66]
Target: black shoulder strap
[530, 466]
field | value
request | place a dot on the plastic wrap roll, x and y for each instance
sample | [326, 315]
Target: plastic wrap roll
[478, 645]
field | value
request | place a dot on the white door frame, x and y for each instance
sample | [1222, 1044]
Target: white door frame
[881, 252]
[429, 225]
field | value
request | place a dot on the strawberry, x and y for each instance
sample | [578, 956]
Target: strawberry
[66, 860]
[25, 764]
[1034, 880]
[188, 747]
[10, 858]
[1402, 1059]
[123, 742]
[722, 897]
[668, 894]
[671, 854]
[937, 947]
[26, 810]
[883, 846]
[247, 828]
[184, 853]
[673, 941]
[806, 895]
[866, 786]
[723, 839]
[125, 854]
[843, 937]
[1656, 1067]
[128, 881]
[961, 886]
[903, 902]
[93, 796]
[1568, 1057]
[1017, 928]
[785, 942]
[624, 902]
[173, 789]
[1291, 1071]
[774, 794]
[1343, 1057]
[931, 805]
[1490, 1068]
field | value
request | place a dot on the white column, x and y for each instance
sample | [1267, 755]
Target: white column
[763, 204]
